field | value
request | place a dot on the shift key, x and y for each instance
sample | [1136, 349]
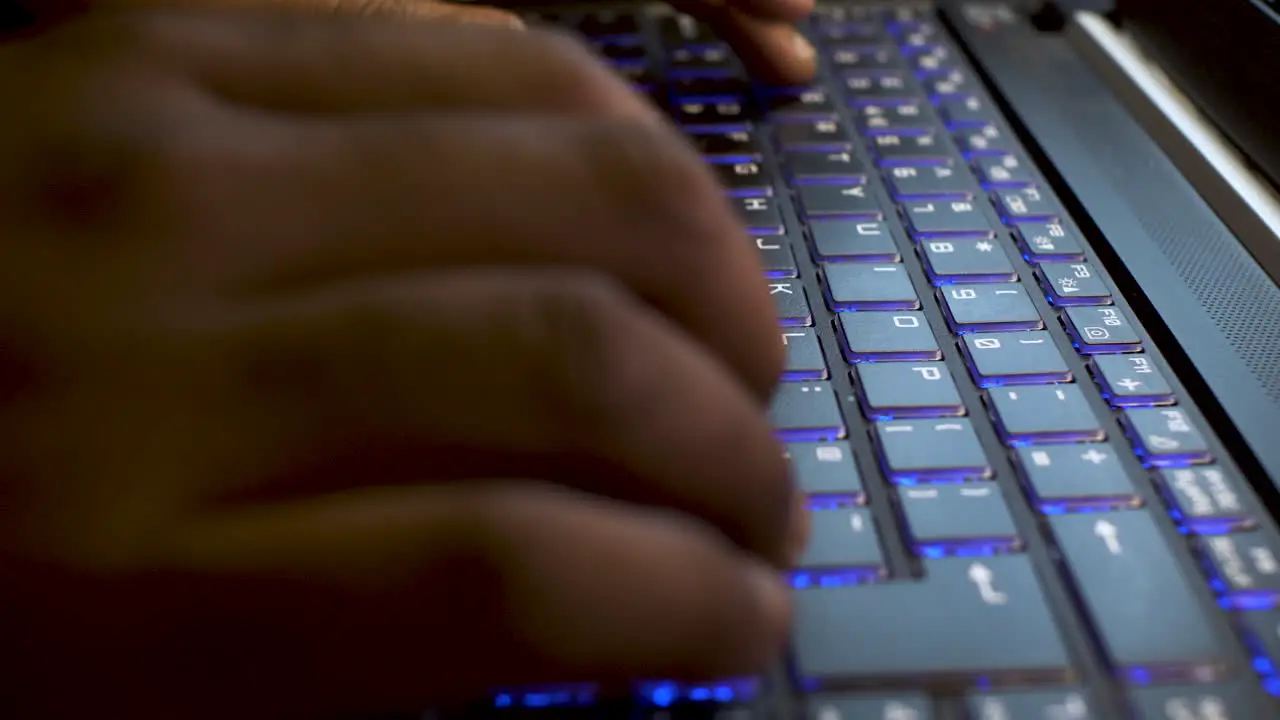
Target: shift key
[1147, 610]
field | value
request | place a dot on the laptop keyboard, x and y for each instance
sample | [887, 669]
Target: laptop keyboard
[1017, 511]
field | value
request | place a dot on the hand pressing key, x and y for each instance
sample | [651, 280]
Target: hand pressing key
[353, 364]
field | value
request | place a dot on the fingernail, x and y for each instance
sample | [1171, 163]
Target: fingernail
[801, 47]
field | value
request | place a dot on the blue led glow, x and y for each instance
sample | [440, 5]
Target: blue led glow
[1090, 505]
[732, 159]
[810, 434]
[717, 129]
[871, 306]
[565, 696]
[805, 579]
[832, 180]
[944, 280]
[975, 548]
[1042, 379]
[804, 375]
[832, 502]
[665, 693]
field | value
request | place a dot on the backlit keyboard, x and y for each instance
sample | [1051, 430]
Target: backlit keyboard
[1017, 511]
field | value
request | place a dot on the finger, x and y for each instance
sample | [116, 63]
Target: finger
[506, 371]
[396, 599]
[407, 9]
[772, 49]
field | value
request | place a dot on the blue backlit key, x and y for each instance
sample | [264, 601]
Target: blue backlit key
[790, 303]
[1004, 171]
[966, 619]
[947, 218]
[1206, 499]
[902, 118]
[1030, 705]
[1016, 358]
[966, 112]
[850, 201]
[1073, 284]
[805, 360]
[1026, 204]
[1245, 568]
[916, 149]
[799, 102]
[854, 241]
[876, 87]
[1045, 414]
[843, 548]
[813, 134]
[1146, 607]
[864, 56]
[936, 182]
[931, 450]
[1236, 701]
[1048, 242]
[809, 167]
[972, 518]
[983, 141]
[776, 256]
[1096, 330]
[760, 214]
[905, 390]
[1165, 436]
[989, 307]
[1131, 380]
[806, 411]
[869, 286]
[905, 706]
[826, 473]
[1073, 478]
[884, 336]
[966, 260]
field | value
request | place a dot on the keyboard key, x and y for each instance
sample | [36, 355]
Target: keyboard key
[790, 303]
[907, 118]
[994, 307]
[839, 201]
[806, 412]
[869, 286]
[1096, 330]
[843, 547]
[893, 149]
[1030, 705]
[958, 519]
[693, 59]
[724, 111]
[806, 168]
[864, 57]
[966, 260]
[854, 240]
[1047, 242]
[961, 218]
[905, 706]
[826, 473]
[1073, 284]
[805, 360]
[775, 255]
[1065, 478]
[608, 23]
[730, 146]
[945, 85]
[1129, 380]
[1261, 630]
[760, 214]
[904, 390]
[1045, 414]
[931, 450]
[1205, 499]
[1017, 358]
[966, 112]
[937, 182]
[827, 135]
[1244, 567]
[1237, 701]
[877, 87]
[1145, 609]
[1025, 204]
[744, 179]
[985, 620]
[983, 141]
[680, 29]
[708, 84]
[881, 336]
[852, 32]
[1165, 436]
[799, 102]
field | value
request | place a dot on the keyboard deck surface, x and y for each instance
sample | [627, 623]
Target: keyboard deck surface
[1018, 512]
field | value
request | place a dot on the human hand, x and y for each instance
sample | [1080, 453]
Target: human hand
[286, 293]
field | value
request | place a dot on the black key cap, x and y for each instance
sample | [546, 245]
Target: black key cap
[700, 58]
[730, 146]
[869, 286]
[1237, 701]
[800, 102]
[958, 519]
[1007, 172]
[966, 260]
[718, 111]
[1065, 478]
[855, 240]
[877, 87]
[760, 214]
[948, 85]
[994, 308]
[1144, 607]
[823, 135]
[1045, 414]
[776, 256]
[805, 360]
[864, 57]
[906, 118]
[608, 23]
[806, 412]
[1030, 705]
[1028, 204]
[1206, 499]
[790, 303]
[905, 390]
[1097, 330]
[957, 218]
[852, 32]
[905, 706]
[883, 336]
[966, 112]
[893, 149]
[996, 624]
[983, 141]
[1165, 436]
[1068, 284]
[680, 29]
[839, 201]
[1017, 358]
[1245, 568]
[623, 52]
[825, 167]
[1047, 242]
[826, 474]
[843, 548]
[931, 450]
[1131, 380]
[937, 182]
[747, 179]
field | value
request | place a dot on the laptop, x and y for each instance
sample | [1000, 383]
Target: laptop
[1024, 259]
